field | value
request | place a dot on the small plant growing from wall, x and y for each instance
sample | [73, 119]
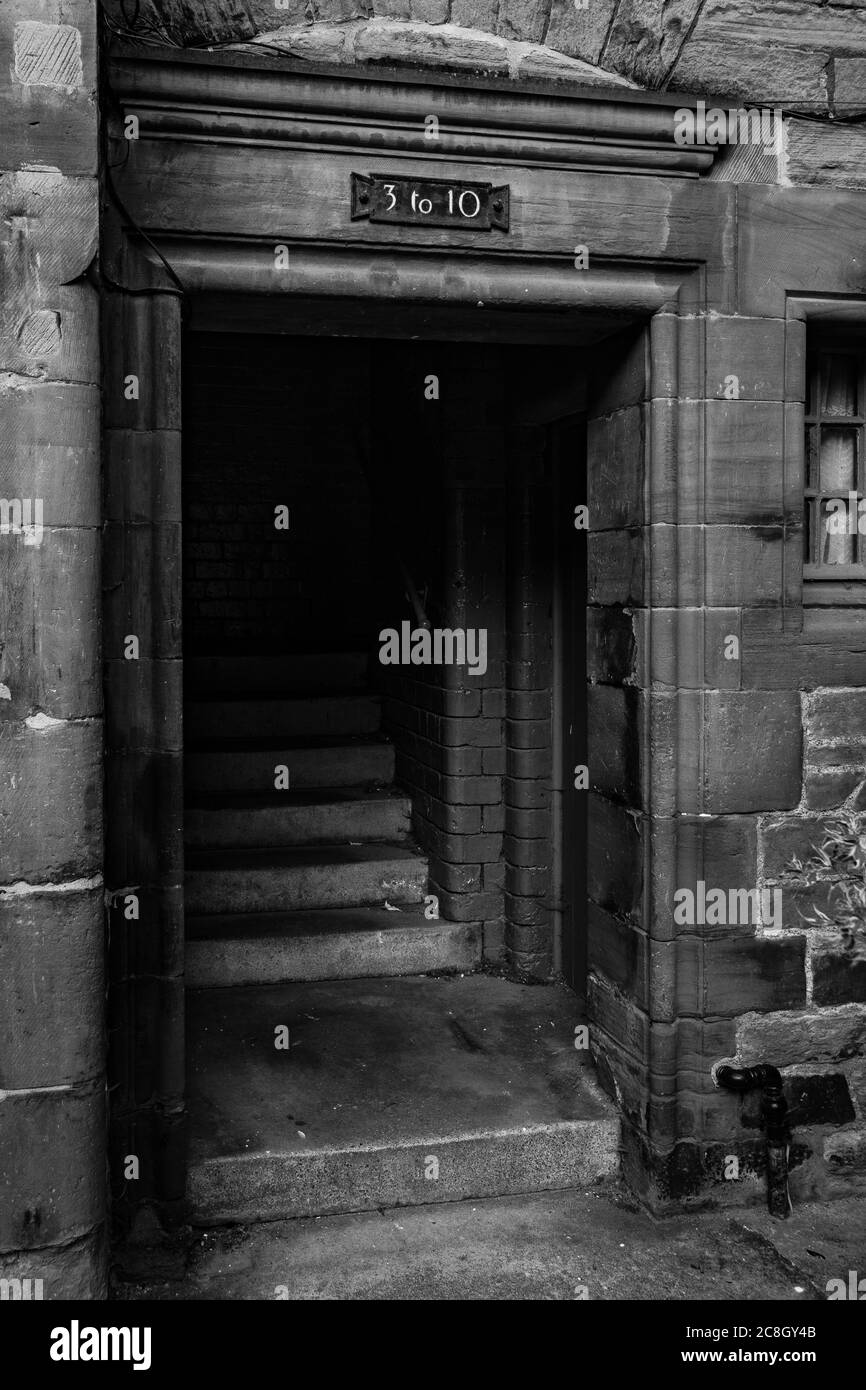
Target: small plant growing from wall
[842, 858]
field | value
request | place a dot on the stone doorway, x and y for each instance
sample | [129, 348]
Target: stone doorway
[382, 680]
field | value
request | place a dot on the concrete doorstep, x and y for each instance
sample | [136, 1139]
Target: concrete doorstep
[387, 1092]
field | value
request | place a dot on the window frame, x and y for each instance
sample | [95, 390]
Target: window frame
[832, 585]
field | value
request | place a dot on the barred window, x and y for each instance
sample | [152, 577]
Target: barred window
[835, 523]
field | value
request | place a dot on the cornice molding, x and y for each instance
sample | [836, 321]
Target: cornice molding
[481, 279]
[243, 99]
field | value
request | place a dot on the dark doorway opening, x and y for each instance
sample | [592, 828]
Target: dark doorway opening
[336, 490]
[383, 854]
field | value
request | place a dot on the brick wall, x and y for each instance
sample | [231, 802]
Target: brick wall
[448, 726]
[529, 703]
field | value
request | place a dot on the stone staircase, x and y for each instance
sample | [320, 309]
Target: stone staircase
[293, 885]
[343, 1054]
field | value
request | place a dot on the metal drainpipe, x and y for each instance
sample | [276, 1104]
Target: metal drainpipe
[774, 1114]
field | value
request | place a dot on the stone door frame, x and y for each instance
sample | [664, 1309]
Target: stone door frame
[666, 253]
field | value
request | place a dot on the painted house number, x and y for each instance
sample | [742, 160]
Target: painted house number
[429, 202]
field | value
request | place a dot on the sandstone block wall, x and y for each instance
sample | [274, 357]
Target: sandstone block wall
[52, 1065]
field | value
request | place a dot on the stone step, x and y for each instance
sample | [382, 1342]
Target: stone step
[215, 677]
[326, 816]
[392, 1092]
[345, 943]
[333, 715]
[294, 880]
[248, 765]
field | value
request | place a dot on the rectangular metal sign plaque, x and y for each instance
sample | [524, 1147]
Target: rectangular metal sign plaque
[430, 202]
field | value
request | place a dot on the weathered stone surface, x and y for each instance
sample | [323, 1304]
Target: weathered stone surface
[50, 618]
[618, 952]
[541, 61]
[52, 1141]
[47, 83]
[830, 787]
[753, 753]
[319, 43]
[839, 967]
[580, 32]
[720, 566]
[825, 154]
[614, 723]
[479, 34]
[819, 1099]
[752, 350]
[800, 23]
[47, 55]
[646, 38]
[151, 944]
[51, 801]
[74, 1271]
[142, 477]
[267, 14]
[57, 1193]
[49, 448]
[202, 21]
[610, 645]
[429, 11]
[49, 233]
[144, 789]
[402, 9]
[846, 1152]
[614, 858]
[521, 19]
[729, 977]
[51, 988]
[148, 1062]
[142, 342]
[615, 469]
[135, 606]
[736, 478]
[848, 86]
[836, 755]
[686, 648]
[814, 658]
[336, 11]
[381, 41]
[470, 14]
[615, 567]
[836, 716]
[738, 69]
[144, 702]
[786, 1040]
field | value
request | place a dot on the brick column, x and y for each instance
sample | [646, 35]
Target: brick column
[528, 844]
[52, 1081]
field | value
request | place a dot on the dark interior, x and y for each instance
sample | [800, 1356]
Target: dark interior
[424, 480]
